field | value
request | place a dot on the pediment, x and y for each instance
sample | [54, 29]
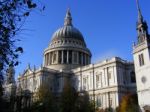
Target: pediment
[27, 72]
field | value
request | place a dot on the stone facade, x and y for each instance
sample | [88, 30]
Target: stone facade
[67, 57]
[106, 81]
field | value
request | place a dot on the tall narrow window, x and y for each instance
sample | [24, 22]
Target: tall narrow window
[97, 80]
[84, 83]
[98, 101]
[70, 57]
[141, 60]
[59, 57]
[109, 75]
[65, 56]
[79, 57]
[110, 102]
[54, 57]
[83, 58]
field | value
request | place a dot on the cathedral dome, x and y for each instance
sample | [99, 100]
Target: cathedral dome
[67, 48]
[68, 31]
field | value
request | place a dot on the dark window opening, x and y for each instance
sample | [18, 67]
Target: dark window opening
[83, 59]
[79, 57]
[141, 60]
[70, 57]
[60, 57]
[133, 79]
[65, 56]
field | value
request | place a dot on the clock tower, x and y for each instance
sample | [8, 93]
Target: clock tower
[141, 55]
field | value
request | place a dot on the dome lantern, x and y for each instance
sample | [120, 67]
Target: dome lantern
[68, 18]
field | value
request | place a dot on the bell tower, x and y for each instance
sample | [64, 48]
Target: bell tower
[141, 55]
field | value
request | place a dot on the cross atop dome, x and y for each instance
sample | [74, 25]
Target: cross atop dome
[68, 18]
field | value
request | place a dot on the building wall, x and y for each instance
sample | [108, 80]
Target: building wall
[106, 82]
[142, 73]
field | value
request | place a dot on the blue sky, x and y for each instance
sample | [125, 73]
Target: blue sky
[108, 26]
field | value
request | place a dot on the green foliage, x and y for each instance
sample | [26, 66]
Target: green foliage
[72, 101]
[68, 99]
[12, 16]
[109, 109]
[84, 104]
[45, 100]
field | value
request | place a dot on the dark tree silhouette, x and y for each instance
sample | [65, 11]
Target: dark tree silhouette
[13, 14]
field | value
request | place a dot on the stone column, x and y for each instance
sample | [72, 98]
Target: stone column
[67, 56]
[62, 57]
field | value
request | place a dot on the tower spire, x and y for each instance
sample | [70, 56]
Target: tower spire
[68, 18]
[142, 27]
[140, 17]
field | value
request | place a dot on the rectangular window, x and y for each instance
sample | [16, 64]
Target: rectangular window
[141, 60]
[84, 83]
[97, 80]
[109, 75]
[65, 56]
[54, 57]
[110, 102]
[98, 101]
[79, 57]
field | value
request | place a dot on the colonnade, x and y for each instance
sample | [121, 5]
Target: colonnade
[67, 57]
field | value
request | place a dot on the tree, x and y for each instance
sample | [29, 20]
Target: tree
[129, 103]
[68, 98]
[73, 101]
[45, 100]
[84, 104]
[13, 14]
